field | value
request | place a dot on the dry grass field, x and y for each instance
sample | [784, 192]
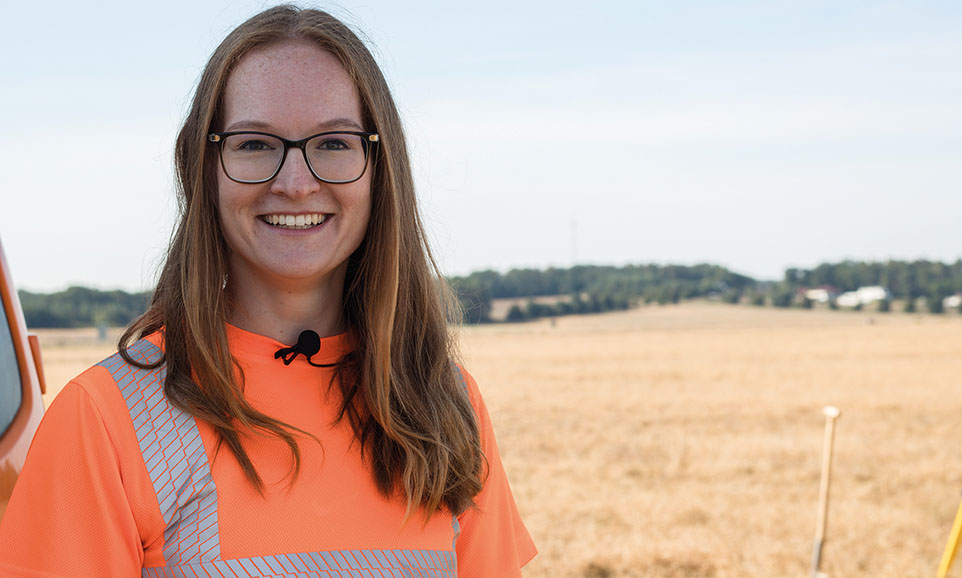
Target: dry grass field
[685, 441]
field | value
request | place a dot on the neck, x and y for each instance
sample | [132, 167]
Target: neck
[282, 310]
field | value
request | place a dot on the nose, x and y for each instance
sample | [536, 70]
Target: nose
[295, 178]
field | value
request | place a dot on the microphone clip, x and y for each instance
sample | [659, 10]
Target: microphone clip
[308, 344]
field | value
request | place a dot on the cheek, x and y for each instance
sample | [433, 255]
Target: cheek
[223, 202]
[230, 201]
[364, 207]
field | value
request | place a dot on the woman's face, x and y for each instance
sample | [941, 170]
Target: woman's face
[293, 90]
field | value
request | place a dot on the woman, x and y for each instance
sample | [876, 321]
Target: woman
[209, 445]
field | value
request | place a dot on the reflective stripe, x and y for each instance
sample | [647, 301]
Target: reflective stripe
[460, 375]
[175, 458]
[334, 564]
[456, 526]
[177, 463]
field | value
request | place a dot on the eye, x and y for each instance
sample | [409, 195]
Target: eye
[333, 143]
[253, 144]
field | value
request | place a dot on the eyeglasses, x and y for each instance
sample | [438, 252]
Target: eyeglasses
[253, 157]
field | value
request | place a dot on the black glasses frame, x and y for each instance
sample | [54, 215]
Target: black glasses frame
[368, 141]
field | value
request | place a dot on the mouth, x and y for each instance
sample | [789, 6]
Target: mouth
[305, 221]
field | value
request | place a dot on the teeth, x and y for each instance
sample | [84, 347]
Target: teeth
[295, 221]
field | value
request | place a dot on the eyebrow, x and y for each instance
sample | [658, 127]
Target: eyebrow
[333, 124]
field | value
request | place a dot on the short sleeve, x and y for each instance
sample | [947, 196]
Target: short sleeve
[69, 514]
[494, 542]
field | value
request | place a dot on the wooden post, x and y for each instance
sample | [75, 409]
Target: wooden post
[831, 414]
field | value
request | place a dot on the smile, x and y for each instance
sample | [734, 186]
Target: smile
[294, 221]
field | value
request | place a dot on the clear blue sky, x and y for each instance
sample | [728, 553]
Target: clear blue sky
[754, 134]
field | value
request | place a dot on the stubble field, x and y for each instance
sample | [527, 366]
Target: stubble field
[686, 440]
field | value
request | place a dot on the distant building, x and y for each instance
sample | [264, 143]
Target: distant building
[822, 294]
[952, 301]
[848, 299]
[863, 296]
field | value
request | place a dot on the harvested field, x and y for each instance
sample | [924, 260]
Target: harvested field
[686, 440]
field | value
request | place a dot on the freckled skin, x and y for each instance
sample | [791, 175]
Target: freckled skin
[294, 90]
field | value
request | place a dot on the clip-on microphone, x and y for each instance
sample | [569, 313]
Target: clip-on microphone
[308, 344]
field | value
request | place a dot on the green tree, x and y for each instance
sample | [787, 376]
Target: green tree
[474, 299]
[535, 310]
[934, 303]
[81, 307]
[782, 295]
[578, 305]
[515, 314]
[733, 296]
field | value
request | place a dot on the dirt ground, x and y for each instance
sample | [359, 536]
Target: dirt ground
[686, 440]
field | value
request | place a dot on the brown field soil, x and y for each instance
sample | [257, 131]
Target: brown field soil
[685, 441]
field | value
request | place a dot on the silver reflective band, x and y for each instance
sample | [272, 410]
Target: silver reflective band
[175, 457]
[333, 564]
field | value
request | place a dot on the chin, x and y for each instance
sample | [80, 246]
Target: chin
[300, 274]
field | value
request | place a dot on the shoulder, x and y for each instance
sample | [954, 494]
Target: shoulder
[102, 383]
[485, 427]
[99, 396]
[84, 470]
[493, 539]
[470, 386]
[465, 379]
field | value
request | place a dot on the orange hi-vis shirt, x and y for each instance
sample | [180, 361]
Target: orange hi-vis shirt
[118, 482]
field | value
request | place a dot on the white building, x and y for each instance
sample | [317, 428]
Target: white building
[818, 295]
[863, 296]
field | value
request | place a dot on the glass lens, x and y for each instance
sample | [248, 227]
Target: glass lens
[251, 157]
[337, 157]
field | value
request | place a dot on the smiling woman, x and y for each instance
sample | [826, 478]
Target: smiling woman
[364, 445]
[265, 223]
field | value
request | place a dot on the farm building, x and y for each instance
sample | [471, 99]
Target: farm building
[822, 294]
[952, 301]
[863, 296]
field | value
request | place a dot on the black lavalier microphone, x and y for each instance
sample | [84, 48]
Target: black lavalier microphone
[308, 344]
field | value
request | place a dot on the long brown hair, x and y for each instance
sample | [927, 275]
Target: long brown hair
[412, 417]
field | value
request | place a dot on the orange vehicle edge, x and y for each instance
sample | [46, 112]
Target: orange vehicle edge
[15, 441]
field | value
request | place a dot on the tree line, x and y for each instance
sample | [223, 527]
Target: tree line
[590, 288]
[910, 282]
[82, 307]
[903, 279]
[580, 289]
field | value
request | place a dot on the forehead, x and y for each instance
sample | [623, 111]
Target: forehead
[291, 87]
